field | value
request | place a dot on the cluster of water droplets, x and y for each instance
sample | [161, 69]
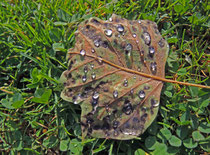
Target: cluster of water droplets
[95, 98]
[153, 67]
[125, 83]
[127, 108]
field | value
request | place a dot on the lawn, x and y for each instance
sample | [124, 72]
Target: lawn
[34, 40]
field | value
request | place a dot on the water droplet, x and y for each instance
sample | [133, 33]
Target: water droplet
[95, 96]
[147, 38]
[116, 133]
[110, 19]
[125, 84]
[96, 43]
[106, 118]
[127, 109]
[95, 21]
[96, 127]
[107, 107]
[105, 44]
[120, 28]
[115, 124]
[154, 103]
[115, 94]
[153, 67]
[82, 52]
[151, 51]
[141, 53]
[108, 32]
[139, 21]
[94, 103]
[84, 78]
[135, 120]
[134, 35]
[106, 126]
[85, 69]
[146, 87]
[132, 91]
[126, 125]
[143, 109]
[74, 99]
[93, 76]
[100, 60]
[92, 50]
[161, 43]
[92, 66]
[142, 94]
[128, 47]
[143, 117]
[89, 121]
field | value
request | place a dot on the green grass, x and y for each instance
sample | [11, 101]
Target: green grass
[34, 39]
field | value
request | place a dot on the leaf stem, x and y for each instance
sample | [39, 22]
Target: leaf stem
[144, 74]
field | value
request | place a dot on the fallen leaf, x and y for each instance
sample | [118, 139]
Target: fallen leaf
[104, 77]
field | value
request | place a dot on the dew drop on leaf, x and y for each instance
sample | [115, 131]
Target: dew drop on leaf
[127, 109]
[153, 67]
[96, 43]
[93, 76]
[85, 69]
[115, 124]
[115, 94]
[82, 52]
[131, 91]
[92, 50]
[141, 94]
[108, 32]
[125, 83]
[154, 103]
[120, 28]
[151, 51]
[161, 43]
[84, 78]
[128, 47]
[100, 60]
[95, 95]
[92, 66]
[147, 38]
